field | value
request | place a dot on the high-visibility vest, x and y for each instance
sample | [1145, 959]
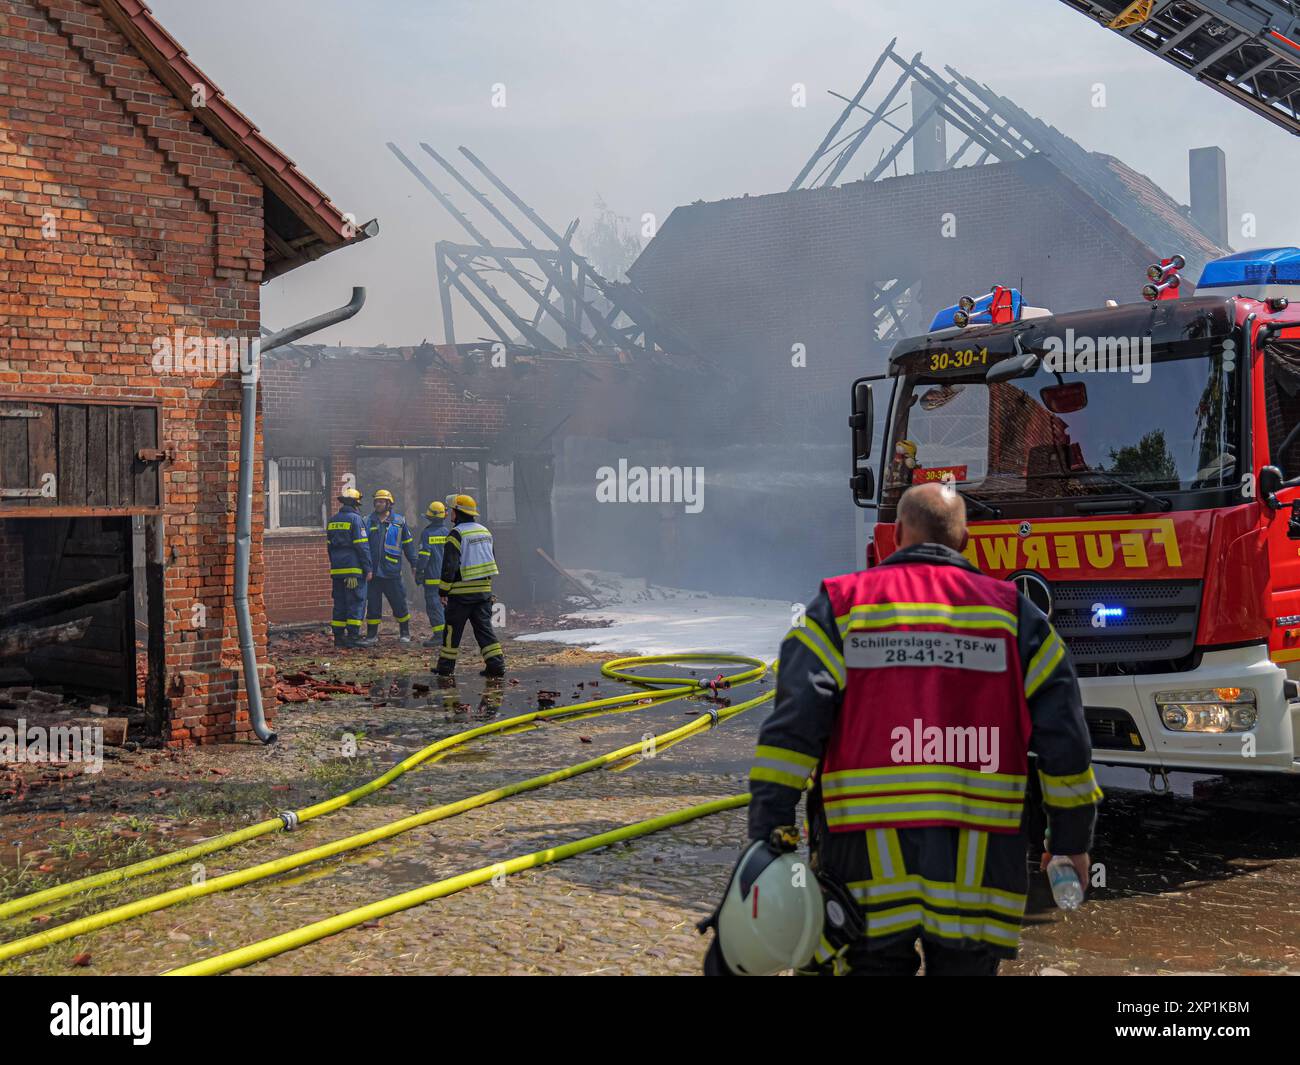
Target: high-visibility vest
[934, 725]
[477, 563]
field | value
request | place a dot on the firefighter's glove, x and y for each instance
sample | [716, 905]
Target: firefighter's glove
[784, 839]
[351, 583]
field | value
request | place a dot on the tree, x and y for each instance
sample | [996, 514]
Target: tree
[1147, 460]
[609, 242]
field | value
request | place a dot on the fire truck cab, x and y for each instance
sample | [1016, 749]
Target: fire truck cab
[1135, 470]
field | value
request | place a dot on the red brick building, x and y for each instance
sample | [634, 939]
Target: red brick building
[428, 421]
[138, 210]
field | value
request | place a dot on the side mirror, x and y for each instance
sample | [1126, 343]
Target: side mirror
[1010, 369]
[861, 420]
[862, 482]
[1269, 483]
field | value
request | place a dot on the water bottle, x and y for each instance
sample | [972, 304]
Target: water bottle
[1066, 889]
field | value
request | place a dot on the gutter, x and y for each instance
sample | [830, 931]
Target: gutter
[244, 501]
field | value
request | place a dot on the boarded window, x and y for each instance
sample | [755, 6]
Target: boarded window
[295, 490]
[78, 455]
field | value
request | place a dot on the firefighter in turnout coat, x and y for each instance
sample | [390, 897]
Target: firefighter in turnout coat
[428, 570]
[350, 568]
[468, 566]
[918, 697]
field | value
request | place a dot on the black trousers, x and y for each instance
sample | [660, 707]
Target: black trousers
[477, 612]
[902, 959]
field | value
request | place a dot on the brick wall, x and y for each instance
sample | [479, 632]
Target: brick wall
[122, 221]
[298, 583]
[325, 406]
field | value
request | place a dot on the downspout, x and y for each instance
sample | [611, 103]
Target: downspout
[244, 503]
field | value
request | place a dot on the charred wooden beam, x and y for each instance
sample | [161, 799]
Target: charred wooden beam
[94, 592]
[20, 639]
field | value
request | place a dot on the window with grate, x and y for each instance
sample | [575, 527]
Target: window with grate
[295, 489]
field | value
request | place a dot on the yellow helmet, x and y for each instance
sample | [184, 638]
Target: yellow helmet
[466, 505]
[350, 495]
[437, 509]
[384, 493]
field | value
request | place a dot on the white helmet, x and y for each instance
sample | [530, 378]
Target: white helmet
[772, 915]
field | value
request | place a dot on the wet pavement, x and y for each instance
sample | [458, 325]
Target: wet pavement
[1203, 880]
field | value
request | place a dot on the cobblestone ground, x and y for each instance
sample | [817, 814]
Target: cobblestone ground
[1200, 882]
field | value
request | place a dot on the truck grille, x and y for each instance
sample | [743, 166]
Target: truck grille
[1158, 623]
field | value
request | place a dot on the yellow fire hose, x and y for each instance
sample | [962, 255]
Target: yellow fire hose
[240, 877]
[613, 669]
[678, 690]
[299, 937]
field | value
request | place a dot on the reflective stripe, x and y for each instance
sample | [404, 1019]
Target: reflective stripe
[350, 571]
[438, 628]
[469, 587]
[825, 954]
[909, 778]
[972, 848]
[336, 526]
[948, 926]
[339, 624]
[355, 621]
[938, 893]
[424, 554]
[374, 623]
[812, 637]
[1078, 789]
[448, 653]
[777, 765]
[1044, 663]
[434, 582]
[884, 853]
[924, 806]
[362, 540]
[491, 650]
[403, 619]
[881, 615]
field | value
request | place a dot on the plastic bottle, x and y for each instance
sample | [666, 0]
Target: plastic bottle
[1066, 889]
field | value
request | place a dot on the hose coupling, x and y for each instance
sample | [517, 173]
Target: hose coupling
[290, 820]
[713, 716]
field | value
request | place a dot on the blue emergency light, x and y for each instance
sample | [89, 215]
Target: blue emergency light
[979, 313]
[1264, 266]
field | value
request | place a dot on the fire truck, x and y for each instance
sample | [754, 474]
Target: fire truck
[1135, 470]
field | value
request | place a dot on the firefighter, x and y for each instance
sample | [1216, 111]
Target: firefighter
[350, 568]
[429, 570]
[916, 692]
[468, 567]
[390, 539]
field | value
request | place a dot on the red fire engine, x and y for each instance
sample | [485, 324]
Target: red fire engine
[1136, 471]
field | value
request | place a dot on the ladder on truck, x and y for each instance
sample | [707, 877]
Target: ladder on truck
[1248, 50]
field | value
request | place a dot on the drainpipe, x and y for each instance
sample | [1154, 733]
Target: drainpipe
[244, 503]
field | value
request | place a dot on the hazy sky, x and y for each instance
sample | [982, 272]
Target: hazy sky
[652, 104]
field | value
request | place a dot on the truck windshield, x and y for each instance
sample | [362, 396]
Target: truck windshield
[1054, 435]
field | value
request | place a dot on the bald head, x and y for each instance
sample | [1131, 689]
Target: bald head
[932, 514]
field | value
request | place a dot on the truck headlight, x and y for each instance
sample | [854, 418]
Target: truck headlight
[1208, 710]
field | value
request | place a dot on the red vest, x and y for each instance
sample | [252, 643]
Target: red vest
[934, 728]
